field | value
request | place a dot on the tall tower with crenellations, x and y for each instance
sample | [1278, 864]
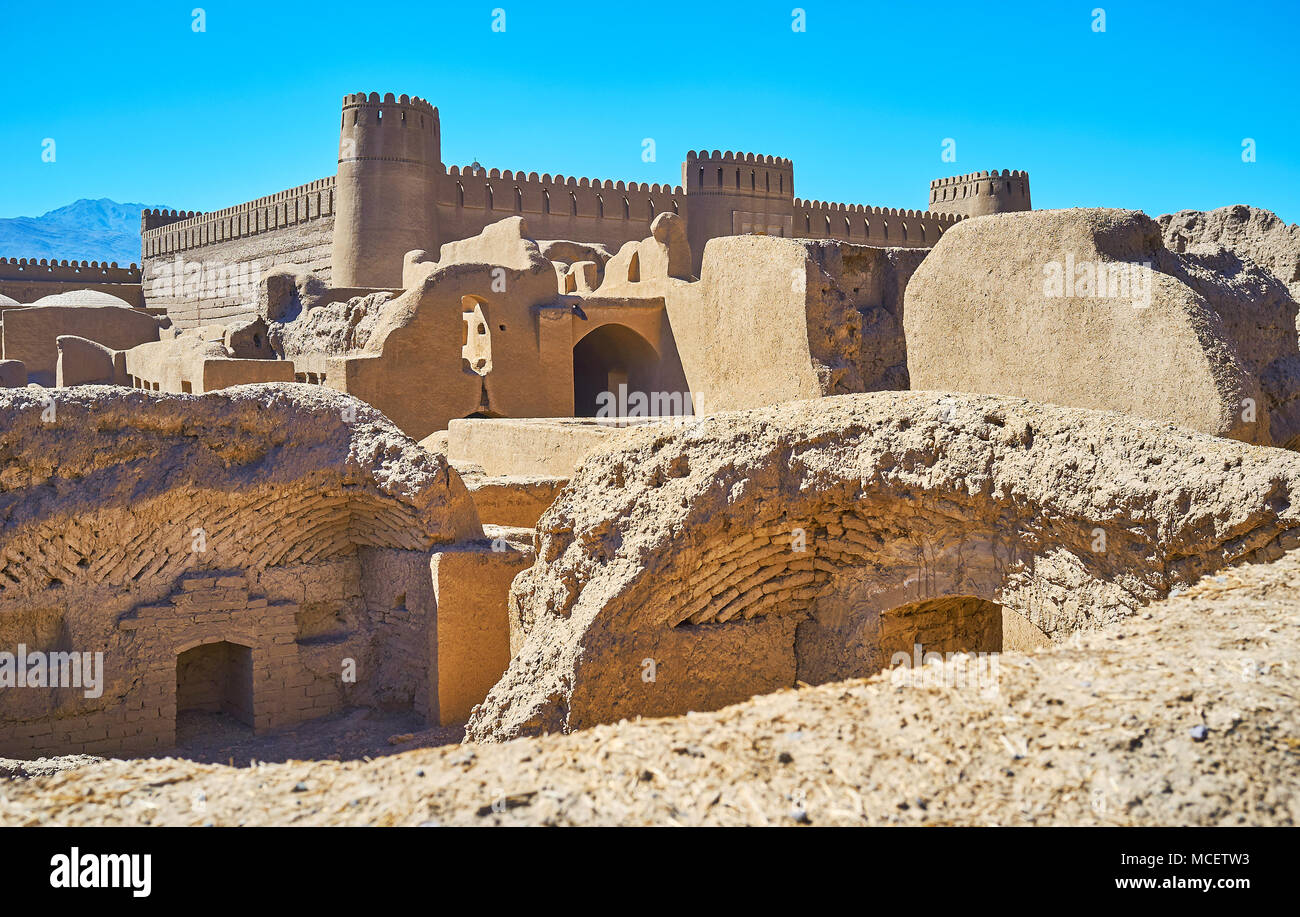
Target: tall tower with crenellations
[981, 193]
[732, 193]
[390, 155]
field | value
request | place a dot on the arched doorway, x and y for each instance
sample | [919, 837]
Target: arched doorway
[607, 358]
[215, 679]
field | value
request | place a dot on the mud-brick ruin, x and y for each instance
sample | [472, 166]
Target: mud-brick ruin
[531, 455]
[251, 553]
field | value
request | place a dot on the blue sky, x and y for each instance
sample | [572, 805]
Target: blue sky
[1150, 114]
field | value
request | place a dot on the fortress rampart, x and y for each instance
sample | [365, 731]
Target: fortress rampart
[884, 226]
[29, 279]
[980, 193]
[556, 207]
[201, 266]
[393, 194]
[169, 231]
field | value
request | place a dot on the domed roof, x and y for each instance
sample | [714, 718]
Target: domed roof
[82, 298]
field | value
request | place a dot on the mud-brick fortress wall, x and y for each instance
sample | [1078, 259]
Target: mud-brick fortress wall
[28, 280]
[886, 227]
[395, 195]
[204, 267]
[555, 207]
[392, 194]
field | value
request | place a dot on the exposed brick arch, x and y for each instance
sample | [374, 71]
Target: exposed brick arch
[751, 550]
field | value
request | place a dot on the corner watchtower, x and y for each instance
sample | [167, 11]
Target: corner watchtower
[732, 193]
[386, 203]
[980, 193]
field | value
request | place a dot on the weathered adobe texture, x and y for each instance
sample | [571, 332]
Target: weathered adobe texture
[413, 357]
[13, 374]
[1214, 349]
[679, 545]
[1250, 232]
[259, 521]
[818, 317]
[200, 265]
[31, 335]
[1185, 714]
[846, 309]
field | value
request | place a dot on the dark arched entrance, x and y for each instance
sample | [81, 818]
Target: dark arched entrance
[609, 357]
[216, 678]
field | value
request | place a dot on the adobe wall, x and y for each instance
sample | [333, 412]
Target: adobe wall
[390, 154]
[394, 195]
[516, 501]
[1201, 340]
[885, 227]
[205, 267]
[31, 335]
[819, 317]
[473, 626]
[734, 193]
[527, 445]
[169, 523]
[493, 298]
[555, 207]
[27, 280]
[192, 365]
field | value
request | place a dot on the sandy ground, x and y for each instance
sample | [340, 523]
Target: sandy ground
[1188, 714]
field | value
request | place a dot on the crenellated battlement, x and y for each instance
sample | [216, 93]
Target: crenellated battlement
[980, 193]
[89, 271]
[393, 194]
[389, 164]
[869, 210]
[738, 174]
[560, 206]
[359, 99]
[558, 180]
[153, 219]
[704, 157]
[164, 231]
[976, 176]
[30, 280]
[393, 129]
[868, 225]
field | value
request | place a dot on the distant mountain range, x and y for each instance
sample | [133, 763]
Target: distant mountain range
[87, 230]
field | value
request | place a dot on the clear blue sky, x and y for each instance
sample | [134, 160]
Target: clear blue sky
[1150, 114]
